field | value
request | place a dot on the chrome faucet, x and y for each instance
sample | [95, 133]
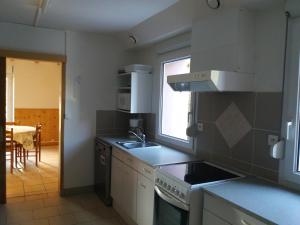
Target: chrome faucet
[141, 138]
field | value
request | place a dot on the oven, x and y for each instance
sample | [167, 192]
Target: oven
[169, 210]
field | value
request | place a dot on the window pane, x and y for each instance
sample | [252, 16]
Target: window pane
[175, 105]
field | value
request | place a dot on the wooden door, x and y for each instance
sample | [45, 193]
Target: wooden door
[2, 131]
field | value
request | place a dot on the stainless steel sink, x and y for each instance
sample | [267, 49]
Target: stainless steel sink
[136, 144]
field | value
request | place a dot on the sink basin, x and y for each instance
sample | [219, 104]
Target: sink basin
[136, 144]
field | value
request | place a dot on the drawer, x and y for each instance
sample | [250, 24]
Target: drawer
[119, 154]
[146, 170]
[131, 161]
[229, 213]
[211, 219]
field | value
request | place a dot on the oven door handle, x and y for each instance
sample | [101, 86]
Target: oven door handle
[168, 198]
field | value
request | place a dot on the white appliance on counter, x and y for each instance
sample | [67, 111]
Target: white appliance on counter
[178, 191]
[212, 81]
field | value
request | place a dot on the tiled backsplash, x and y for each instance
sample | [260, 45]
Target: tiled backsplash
[251, 153]
[111, 122]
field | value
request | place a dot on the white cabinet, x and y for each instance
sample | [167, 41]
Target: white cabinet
[224, 41]
[145, 201]
[132, 187]
[129, 192]
[135, 92]
[116, 180]
[211, 219]
[224, 213]
[124, 187]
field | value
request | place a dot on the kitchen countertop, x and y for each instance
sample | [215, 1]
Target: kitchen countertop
[153, 156]
[261, 198]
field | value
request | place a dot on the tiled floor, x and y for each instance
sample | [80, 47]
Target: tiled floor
[34, 180]
[33, 199]
[84, 209]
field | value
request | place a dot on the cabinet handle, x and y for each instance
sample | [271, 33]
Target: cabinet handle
[244, 222]
[147, 171]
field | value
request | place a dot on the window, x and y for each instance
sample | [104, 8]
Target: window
[290, 165]
[175, 107]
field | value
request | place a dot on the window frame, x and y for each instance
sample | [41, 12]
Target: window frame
[187, 146]
[288, 166]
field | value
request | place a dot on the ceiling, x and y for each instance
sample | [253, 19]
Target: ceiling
[83, 15]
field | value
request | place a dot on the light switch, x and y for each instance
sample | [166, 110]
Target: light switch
[200, 127]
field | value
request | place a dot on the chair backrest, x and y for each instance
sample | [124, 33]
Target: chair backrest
[38, 133]
[9, 138]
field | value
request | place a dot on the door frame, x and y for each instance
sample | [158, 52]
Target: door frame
[4, 53]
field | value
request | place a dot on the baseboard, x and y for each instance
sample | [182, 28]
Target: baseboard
[77, 190]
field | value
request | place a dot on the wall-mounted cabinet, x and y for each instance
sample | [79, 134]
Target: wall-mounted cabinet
[224, 41]
[134, 92]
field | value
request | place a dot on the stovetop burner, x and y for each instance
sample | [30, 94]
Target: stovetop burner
[197, 172]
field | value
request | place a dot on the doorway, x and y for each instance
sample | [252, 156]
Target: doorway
[34, 96]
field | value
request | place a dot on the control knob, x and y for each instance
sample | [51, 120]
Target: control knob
[182, 195]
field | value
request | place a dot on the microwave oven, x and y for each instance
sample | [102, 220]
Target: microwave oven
[124, 101]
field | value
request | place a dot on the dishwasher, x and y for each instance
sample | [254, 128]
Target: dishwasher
[103, 152]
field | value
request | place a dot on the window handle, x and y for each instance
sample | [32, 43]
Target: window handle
[289, 127]
[189, 117]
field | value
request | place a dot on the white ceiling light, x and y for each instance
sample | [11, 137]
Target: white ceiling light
[42, 8]
[44, 5]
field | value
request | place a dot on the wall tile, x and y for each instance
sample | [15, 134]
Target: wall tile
[205, 140]
[150, 124]
[232, 163]
[262, 172]
[261, 155]
[121, 120]
[244, 149]
[220, 146]
[206, 103]
[268, 111]
[104, 119]
[244, 101]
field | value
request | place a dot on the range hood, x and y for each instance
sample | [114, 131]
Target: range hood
[212, 81]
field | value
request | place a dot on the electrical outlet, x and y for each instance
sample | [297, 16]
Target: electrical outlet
[272, 139]
[200, 126]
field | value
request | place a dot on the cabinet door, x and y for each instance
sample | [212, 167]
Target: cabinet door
[210, 219]
[145, 201]
[129, 191]
[116, 180]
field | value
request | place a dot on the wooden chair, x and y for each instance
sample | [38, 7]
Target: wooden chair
[9, 147]
[36, 152]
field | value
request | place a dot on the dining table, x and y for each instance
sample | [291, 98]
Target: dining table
[23, 135]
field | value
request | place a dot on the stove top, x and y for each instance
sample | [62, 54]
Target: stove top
[196, 172]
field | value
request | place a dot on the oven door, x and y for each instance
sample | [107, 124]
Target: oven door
[168, 210]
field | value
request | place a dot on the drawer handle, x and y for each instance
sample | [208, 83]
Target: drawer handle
[147, 171]
[244, 222]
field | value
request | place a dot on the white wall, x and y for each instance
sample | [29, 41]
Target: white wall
[37, 84]
[92, 66]
[172, 21]
[26, 38]
[92, 63]
[269, 50]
